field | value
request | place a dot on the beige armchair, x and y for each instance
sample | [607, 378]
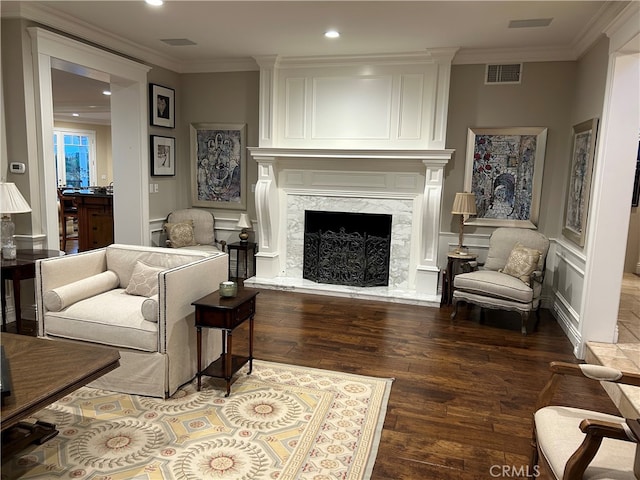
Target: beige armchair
[137, 299]
[511, 278]
[574, 444]
[193, 228]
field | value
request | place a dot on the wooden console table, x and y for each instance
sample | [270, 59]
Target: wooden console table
[42, 372]
[95, 218]
[23, 267]
[225, 313]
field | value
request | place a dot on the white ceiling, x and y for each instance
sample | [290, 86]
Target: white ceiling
[228, 34]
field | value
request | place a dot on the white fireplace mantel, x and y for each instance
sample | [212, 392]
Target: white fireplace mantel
[406, 183]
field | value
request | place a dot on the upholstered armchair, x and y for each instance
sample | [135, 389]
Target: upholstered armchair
[192, 228]
[571, 443]
[512, 276]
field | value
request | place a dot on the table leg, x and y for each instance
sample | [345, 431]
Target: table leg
[255, 273]
[237, 263]
[4, 305]
[17, 307]
[228, 362]
[250, 345]
[199, 347]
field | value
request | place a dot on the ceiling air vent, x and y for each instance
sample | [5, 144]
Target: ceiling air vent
[503, 74]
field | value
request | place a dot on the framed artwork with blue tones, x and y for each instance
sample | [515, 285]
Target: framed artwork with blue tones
[504, 170]
[579, 188]
[218, 165]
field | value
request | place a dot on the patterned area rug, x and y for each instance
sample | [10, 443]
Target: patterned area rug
[281, 422]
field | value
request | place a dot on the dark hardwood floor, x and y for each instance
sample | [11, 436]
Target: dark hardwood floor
[463, 394]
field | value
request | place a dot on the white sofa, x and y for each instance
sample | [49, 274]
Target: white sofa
[83, 298]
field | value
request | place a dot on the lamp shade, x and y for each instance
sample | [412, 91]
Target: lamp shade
[11, 200]
[464, 204]
[244, 221]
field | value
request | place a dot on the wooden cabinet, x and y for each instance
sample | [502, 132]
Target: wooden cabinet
[95, 219]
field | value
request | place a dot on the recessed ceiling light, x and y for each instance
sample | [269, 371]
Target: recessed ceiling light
[106, 92]
[155, 3]
[75, 114]
[332, 34]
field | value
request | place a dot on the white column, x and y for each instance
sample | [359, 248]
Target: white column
[267, 111]
[610, 206]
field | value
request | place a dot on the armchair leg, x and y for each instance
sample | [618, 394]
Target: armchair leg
[525, 322]
[455, 309]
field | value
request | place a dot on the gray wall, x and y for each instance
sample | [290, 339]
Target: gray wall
[219, 98]
[543, 99]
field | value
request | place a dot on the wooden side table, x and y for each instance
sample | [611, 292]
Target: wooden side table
[23, 267]
[455, 261]
[246, 248]
[214, 311]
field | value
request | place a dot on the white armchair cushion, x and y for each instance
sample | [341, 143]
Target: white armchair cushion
[144, 280]
[62, 297]
[559, 436]
[494, 284]
[110, 318]
[151, 309]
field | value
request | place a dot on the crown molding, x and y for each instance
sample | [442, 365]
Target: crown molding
[46, 16]
[86, 33]
[470, 56]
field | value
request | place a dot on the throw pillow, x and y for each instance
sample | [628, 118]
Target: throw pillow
[150, 309]
[144, 280]
[180, 234]
[522, 262]
[61, 297]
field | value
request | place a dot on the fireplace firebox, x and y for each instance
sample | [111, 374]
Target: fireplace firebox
[342, 248]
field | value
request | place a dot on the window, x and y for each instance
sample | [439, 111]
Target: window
[75, 154]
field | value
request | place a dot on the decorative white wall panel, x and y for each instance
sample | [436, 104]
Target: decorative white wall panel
[352, 108]
[391, 102]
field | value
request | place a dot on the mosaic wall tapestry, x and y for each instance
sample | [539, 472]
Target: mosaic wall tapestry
[504, 170]
[218, 165]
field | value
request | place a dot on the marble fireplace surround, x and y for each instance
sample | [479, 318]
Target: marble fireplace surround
[407, 184]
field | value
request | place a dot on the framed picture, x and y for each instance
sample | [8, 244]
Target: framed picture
[162, 106]
[218, 165]
[580, 169]
[504, 170]
[163, 156]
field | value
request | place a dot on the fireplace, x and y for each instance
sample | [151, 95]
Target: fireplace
[342, 248]
[404, 185]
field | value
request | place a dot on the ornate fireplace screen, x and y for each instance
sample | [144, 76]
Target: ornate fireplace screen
[347, 248]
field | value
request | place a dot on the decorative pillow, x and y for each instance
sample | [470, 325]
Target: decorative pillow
[522, 262]
[60, 298]
[144, 280]
[180, 234]
[150, 309]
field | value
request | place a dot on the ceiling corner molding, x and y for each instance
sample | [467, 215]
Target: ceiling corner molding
[239, 64]
[89, 33]
[471, 56]
[599, 23]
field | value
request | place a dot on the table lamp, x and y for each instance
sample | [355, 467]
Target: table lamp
[11, 201]
[245, 224]
[463, 204]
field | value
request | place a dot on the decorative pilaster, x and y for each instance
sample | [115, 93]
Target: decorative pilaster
[269, 256]
[427, 270]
